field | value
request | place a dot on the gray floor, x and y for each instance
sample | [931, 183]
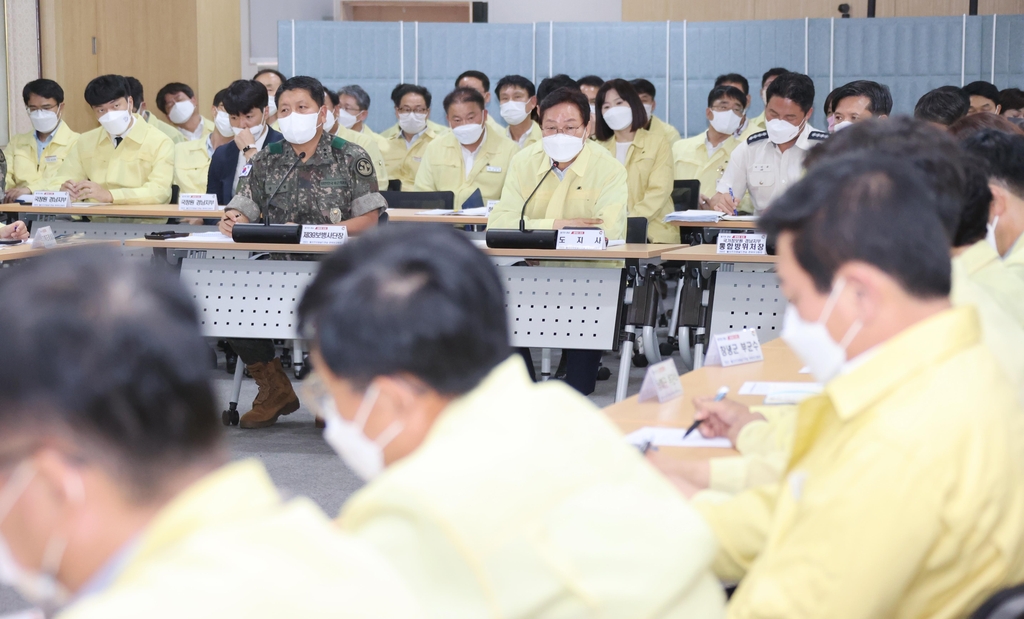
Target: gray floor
[299, 460]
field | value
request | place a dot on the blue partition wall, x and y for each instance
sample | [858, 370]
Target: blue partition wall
[910, 55]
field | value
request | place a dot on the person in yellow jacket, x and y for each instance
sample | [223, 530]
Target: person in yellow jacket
[33, 158]
[178, 103]
[437, 422]
[368, 141]
[405, 149]
[479, 82]
[887, 471]
[471, 157]
[139, 102]
[117, 498]
[646, 155]
[518, 99]
[353, 110]
[192, 157]
[125, 160]
[746, 128]
[395, 130]
[646, 91]
[705, 156]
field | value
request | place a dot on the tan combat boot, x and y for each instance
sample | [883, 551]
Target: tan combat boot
[275, 398]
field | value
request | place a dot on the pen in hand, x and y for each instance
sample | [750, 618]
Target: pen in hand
[722, 392]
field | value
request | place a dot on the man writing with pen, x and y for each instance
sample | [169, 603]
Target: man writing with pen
[311, 177]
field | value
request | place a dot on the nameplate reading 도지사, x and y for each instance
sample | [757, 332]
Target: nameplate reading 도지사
[323, 235]
[581, 238]
[736, 348]
[198, 202]
[44, 238]
[661, 382]
[747, 244]
[57, 199]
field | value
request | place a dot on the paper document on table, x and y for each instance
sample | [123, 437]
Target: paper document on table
[8, 246]
[616, 243]
[673, 437]
[694, 215]
[781, 393]
[739, 218]
[476, 211]
[91, 203]
[205, 237]
[437, 211]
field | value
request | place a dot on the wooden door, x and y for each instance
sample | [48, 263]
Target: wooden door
[69, 54]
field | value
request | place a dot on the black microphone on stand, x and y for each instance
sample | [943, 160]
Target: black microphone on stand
[265, 232]
[523, 238]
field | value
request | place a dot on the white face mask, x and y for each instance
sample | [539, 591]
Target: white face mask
[345, 119]
[513, 112]
[299, 128]
[271, 106]
[116, 122]
[44, 121]
[412, 122]
[840, 126]
[726, 122]
[990, 234]
[329, 120]
[39, 588]
[562, 148]
[181, 112]
[649, 109]
[619, 117]
[780, 131]
[223, 122]
[468, 134]
[811, 340]
[255, 131]
[346, 438]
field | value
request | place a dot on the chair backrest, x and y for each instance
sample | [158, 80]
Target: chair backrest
[421, 200]
[1006, 604]
[394, 185]
[686, 194]
[175, 192]
[636, 229]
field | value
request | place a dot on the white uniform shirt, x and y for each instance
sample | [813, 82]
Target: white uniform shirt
[758, 166]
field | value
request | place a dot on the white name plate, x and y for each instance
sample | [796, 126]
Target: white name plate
[581, 238]
[198, 202]
[736, 348]
[661, 383]
[323, 235]
[58, 199]
[44, 238]
[748, 244]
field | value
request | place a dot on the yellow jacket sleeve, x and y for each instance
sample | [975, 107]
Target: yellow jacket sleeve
[741, 525]
[611, 205]
[764, 445]
[9, 174]
[156, 189]
[425, 175]
[654, 201]
[72, 169]
[505, 214]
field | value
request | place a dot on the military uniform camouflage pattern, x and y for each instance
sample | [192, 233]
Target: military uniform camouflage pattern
[3, 171]
[335, 184]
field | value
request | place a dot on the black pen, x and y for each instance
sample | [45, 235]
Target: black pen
[722, 392]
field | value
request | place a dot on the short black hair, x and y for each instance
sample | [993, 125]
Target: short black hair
[550, 84]
[279, 75]
[982, 88]
[796, 87]
[1011, 99]
[108, 352]
[515, 81]
[973, 223]
[171, 89]
[867, 208]
[333, 96]
[1001, 156]
[218, 99]
[944, 105]
[878, 96]
[356, 92]
[644, 87]
[464, 95]
[734, 78]
[930, 150]
[565, 95]
[136, 91]
[630, 96]
[106, 88]
[245, 95]
[770, 73]
[389, 302]
[47, 89]
[403, 89]
[727, 92]
[486, 81]
[588, 80]
[829, 106]
[302, 82]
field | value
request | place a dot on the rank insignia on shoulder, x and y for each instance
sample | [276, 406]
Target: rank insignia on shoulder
[245, 170]
[817, 135]
[757, 137]
[364, 167]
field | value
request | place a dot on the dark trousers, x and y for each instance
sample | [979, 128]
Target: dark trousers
[252, 351]
[580, 369]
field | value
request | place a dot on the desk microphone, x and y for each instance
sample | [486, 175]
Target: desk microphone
[523, 238]
[265, 232]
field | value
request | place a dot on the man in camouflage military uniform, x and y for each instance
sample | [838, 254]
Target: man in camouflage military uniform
[334, 183]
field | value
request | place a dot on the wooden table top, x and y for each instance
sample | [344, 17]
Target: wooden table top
[730, 225]
[407, 215]
[25, 250]
[112, 210]
[708, 252]
[780, 364]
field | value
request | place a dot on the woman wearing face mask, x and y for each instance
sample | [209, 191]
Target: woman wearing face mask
[28, 168]
[647, 156]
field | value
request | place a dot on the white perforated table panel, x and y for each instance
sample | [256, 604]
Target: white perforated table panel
[562, 307]
[744, 300]
[251, 298]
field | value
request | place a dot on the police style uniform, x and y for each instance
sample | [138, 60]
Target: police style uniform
[758, 166]
[333, 185]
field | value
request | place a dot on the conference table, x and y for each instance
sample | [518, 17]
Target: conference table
[10, 253]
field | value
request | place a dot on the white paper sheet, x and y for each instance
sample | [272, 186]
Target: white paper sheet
[739, 218]
[205, 237]
[694, 215]
[781, 393]
[673, 437]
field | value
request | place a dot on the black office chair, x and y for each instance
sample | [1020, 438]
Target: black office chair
[420, 200]
[686, 197]
[394, 185]
[1006, 604]
[175, 192]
